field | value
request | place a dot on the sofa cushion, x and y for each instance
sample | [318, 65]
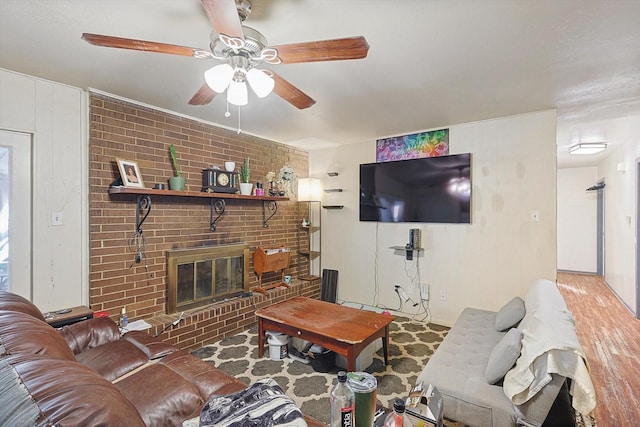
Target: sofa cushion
[510, 314]
[162, 396]
[69, 394]
[113, 359]
[21, 333]
[153, 347]
[14, 302]
[89, 333]
[503, 356]
[457, 370]
[204, 376]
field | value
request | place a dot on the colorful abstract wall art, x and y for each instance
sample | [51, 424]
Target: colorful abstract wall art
[416, 145]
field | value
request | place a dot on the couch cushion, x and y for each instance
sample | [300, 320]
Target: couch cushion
[153, 347]
[13, 302]
[161, 396]
[21, 333]
[69, 394]
[503, 356]
[510, 314]
[201, 374]
[90, 333]
[113, 359]
[457, 370]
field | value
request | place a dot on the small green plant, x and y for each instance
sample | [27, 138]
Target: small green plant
[245, 172]
[174, 159]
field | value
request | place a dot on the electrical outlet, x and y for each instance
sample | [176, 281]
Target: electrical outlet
[443, 295]
[424, 291]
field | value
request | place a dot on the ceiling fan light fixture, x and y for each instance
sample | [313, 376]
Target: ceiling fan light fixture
[237, 93]
[587, 148]
[219, 77]
[260, 82]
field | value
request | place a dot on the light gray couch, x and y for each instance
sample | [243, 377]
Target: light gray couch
[459, 368]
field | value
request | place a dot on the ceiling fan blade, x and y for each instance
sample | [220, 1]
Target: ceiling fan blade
[204, 96]
[224, 17]
[133, 44]
[290, 93]
[323, 50]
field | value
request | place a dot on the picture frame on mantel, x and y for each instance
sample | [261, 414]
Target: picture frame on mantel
[130, 173]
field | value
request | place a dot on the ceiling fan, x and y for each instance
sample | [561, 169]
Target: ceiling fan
[241, 50]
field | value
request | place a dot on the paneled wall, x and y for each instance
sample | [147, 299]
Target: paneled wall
[54, 116]
[121, 129]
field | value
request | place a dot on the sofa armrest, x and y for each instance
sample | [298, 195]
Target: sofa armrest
[153, 347]
[90, 333]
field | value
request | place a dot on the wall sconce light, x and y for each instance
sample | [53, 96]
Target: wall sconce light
[309, 190]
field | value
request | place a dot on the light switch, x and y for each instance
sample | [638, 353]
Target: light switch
[56, 218]
[535, 216]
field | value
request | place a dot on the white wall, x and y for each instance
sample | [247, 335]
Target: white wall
[55, 115]
[577, 220]
[620, 196]
[482, 264]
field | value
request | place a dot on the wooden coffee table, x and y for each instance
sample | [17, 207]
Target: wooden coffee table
[344, 330]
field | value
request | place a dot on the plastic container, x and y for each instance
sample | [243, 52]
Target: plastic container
[365, 386]
[278, 345]
[398, 418]
[124, 319]
[342, 402]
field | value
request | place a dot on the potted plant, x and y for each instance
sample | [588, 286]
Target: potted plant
[176, 182]
[245, 176]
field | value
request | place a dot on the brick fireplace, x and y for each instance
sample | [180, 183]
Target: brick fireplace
[123, 129]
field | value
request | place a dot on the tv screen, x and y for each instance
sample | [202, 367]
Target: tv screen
[430, 189]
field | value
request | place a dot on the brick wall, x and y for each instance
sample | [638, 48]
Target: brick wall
[124, 130]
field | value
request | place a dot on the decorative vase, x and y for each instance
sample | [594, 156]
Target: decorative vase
[245, 188]
[176, 183]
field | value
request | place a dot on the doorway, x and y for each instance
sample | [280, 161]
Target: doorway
[600, 229]
[15, 212]
[637, 238]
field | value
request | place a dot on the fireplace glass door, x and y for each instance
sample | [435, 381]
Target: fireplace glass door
[204, 275]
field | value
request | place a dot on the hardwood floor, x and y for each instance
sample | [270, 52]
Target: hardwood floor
[610, 337]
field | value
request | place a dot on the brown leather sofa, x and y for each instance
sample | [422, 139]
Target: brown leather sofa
[87, 374]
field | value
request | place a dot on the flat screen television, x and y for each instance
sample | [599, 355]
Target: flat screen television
[429, 189]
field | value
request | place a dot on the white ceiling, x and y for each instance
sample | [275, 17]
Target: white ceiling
[431, 63]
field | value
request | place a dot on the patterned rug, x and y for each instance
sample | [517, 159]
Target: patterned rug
[412, 344]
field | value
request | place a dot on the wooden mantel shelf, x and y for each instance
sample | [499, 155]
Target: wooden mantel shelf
[201, 194]
[217, 202]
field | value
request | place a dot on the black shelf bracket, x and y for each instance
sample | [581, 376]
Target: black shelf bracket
[143, 202]
[217, 207]
[268, 207]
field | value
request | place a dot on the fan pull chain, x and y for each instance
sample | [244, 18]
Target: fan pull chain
[239, 120]
[227, 113]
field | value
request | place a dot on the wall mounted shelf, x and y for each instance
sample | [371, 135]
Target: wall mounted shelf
[217, 202]
[333, 190]
[408, 251]
[333, 207]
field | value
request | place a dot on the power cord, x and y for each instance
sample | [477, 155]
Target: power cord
[172, 324]
[137, 246]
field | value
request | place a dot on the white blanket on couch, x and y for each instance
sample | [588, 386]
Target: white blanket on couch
[549, 345]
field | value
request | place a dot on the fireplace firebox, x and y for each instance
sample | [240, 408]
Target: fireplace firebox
[200, 276]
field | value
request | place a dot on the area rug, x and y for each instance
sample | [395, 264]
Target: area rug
[412, 344]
